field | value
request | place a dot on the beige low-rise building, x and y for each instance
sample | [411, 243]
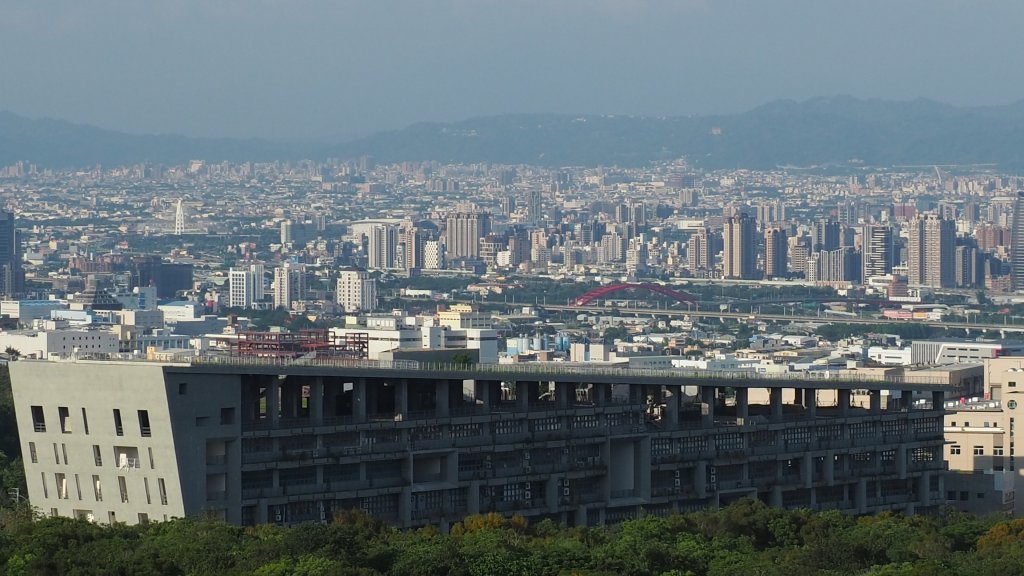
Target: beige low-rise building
[980, 431]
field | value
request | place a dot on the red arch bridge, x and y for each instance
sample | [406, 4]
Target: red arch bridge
[603, 291]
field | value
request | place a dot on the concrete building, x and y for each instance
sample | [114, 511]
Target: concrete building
[463, 233]
[289, 284]
[245, 286]
[422, 444]
[382, 248]
[62, 342]
[1017, 235]
[980, 442]
[740, 251]
[931, 252]
[433, 255]
[26, 311]
[775, 253]
[12, 276]
[876, 240]
[356, 291]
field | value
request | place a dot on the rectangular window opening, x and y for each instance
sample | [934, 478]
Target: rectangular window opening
[144, 423]
[65, 419]
[85, 422]
[118, 425]
[32, 452]
[38, 419]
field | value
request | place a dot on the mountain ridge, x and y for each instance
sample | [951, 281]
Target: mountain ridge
[823, 131]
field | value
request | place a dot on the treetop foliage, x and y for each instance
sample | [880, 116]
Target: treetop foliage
[747, 537]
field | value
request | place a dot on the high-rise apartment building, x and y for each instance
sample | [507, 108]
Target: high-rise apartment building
[832, 266]
[11, 275]
[931, 252]
[382, 248]
[245, 286]
[700, 251]
[775, 253]
[412, 240]
[740, 239]
[826, 235]
[1017, 248]
[463, 233]
[970, 267]
[433, 255]
[876, 240]
[356, 290]
[289, 284]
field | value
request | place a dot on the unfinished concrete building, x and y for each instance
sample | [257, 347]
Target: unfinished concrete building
[255, 440]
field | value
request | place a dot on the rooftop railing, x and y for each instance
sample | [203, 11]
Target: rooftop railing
[527, 370]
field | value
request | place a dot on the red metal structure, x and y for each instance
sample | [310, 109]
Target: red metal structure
[612, 288]
[296, 344]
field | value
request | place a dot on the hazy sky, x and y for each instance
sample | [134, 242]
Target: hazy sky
[332, 69]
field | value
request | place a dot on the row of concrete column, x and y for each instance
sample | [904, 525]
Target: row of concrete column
[447, 393]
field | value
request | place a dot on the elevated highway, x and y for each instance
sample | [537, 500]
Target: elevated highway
[638, 311]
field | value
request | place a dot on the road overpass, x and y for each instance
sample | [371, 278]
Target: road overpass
[782, 317]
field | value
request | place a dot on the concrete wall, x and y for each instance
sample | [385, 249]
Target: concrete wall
[95, 390]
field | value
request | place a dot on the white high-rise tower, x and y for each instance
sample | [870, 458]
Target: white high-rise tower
[179, 219]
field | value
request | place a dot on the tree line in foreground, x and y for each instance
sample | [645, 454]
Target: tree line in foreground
[747, 537]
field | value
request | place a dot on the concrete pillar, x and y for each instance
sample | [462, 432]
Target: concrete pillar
[291, 400]
[938, 399]
[775, 399]
[742, 405]
[522, 396]
[551, 495]
[405, 507]
[700, 479]
[359, 399]
[602, 393]
[637, 394]
[707, 398]
[776, 498]
[807, 470]
[876, 401]
[442, 398]
[844, 403]
[482, 393]
[316, 401]
[473, 498]
[580, 516]
[861, 499]
[563, 391]
[829, 471]
[811, 403]
[643, 467]
[923, 489]
[672, 406]
[274, 400]
[402, 398]
[901, 461]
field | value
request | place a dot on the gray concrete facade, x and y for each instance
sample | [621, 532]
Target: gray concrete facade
[255, 441]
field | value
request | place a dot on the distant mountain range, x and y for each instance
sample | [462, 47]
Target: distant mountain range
[822, 132]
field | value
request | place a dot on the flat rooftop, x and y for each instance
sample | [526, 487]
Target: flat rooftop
[529, 371]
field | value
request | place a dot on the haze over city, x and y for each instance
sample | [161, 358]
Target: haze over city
[331, 71]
